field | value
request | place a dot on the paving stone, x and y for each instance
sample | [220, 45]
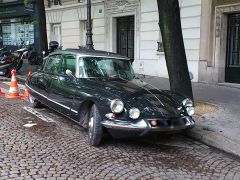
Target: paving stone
[59, 151]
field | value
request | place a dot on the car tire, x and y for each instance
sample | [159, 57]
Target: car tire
[33, 102]
[95, 130]
[8, 73]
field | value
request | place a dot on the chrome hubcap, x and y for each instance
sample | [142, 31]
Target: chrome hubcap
[90, 126]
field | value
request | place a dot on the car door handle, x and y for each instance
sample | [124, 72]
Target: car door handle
[55, 77]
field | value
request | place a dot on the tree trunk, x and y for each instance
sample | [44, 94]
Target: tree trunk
[43, 46]
[170, 26]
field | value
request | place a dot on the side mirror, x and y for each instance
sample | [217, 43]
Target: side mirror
[69, 72]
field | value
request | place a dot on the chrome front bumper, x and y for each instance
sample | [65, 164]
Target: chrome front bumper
[144, 126]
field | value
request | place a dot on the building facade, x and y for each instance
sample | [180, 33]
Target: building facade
[16, 25]
[130, 27]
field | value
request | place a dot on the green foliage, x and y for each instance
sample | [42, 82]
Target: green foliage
[34, 21]
[26, 2]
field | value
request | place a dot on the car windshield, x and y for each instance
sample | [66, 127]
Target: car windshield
[99, 67]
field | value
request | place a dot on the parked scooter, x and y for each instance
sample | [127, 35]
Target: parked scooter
[53, 46]
[4, 53]
[36, 59]
[9, 61]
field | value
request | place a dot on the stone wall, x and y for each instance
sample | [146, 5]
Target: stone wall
[104, 13]
[225, 2]
[150, 35]
[72, 19]
[214, 39]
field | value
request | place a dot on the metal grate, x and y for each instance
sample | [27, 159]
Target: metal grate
[234, 41]
[125, 36]
[232, 73]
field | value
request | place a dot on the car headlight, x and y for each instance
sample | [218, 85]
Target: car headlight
[188, 104]
[134, 113]
[190, 111]
[116, 106]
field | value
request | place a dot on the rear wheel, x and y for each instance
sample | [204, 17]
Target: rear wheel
[8, 73]
[34, 103]
[19, 65]
[95, 130]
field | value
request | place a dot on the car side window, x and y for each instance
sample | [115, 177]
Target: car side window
[52, 65]
[68, 62]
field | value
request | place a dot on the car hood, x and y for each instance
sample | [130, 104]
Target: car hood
[139, 94]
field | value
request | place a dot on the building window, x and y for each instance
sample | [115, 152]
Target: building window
[56, 33]
[54, 3]
[7, 1]
[160, 43]
[17, 31]
[83, 31]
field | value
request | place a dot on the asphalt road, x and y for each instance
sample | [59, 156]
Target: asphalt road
[56, 148]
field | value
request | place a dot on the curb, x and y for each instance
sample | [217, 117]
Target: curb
[215, 139]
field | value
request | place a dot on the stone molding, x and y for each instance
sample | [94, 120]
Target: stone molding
[118, 6]
[54, 17]
[220, 11]
[220, 38]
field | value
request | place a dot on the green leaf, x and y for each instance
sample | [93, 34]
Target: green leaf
[26, 2]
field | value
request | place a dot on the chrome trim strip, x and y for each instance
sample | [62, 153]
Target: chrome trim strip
[74, 111]
[109, 57]
[68, 108]
[2, 67]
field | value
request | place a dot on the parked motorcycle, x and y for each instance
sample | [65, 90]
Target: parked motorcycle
[9, 61]
[37, 59]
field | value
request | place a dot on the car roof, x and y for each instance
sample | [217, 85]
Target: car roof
[93, 53]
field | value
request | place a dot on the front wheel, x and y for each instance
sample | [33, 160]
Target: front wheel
[95, 130]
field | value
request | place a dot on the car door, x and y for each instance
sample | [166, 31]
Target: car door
[63, 87]
[45, 77]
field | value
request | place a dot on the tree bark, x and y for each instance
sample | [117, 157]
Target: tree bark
[171, 29]
[43, 46]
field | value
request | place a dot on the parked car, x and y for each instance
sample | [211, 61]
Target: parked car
[100, 91]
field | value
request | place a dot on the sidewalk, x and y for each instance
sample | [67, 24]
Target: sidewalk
[221, 128]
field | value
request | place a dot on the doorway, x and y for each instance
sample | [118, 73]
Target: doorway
[232, 73]
[125, 36]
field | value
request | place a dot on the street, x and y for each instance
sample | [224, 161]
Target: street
[56, 148]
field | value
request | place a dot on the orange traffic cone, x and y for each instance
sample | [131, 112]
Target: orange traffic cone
[1, 92]
[29, 73]
[13, 92]
[25, 94]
